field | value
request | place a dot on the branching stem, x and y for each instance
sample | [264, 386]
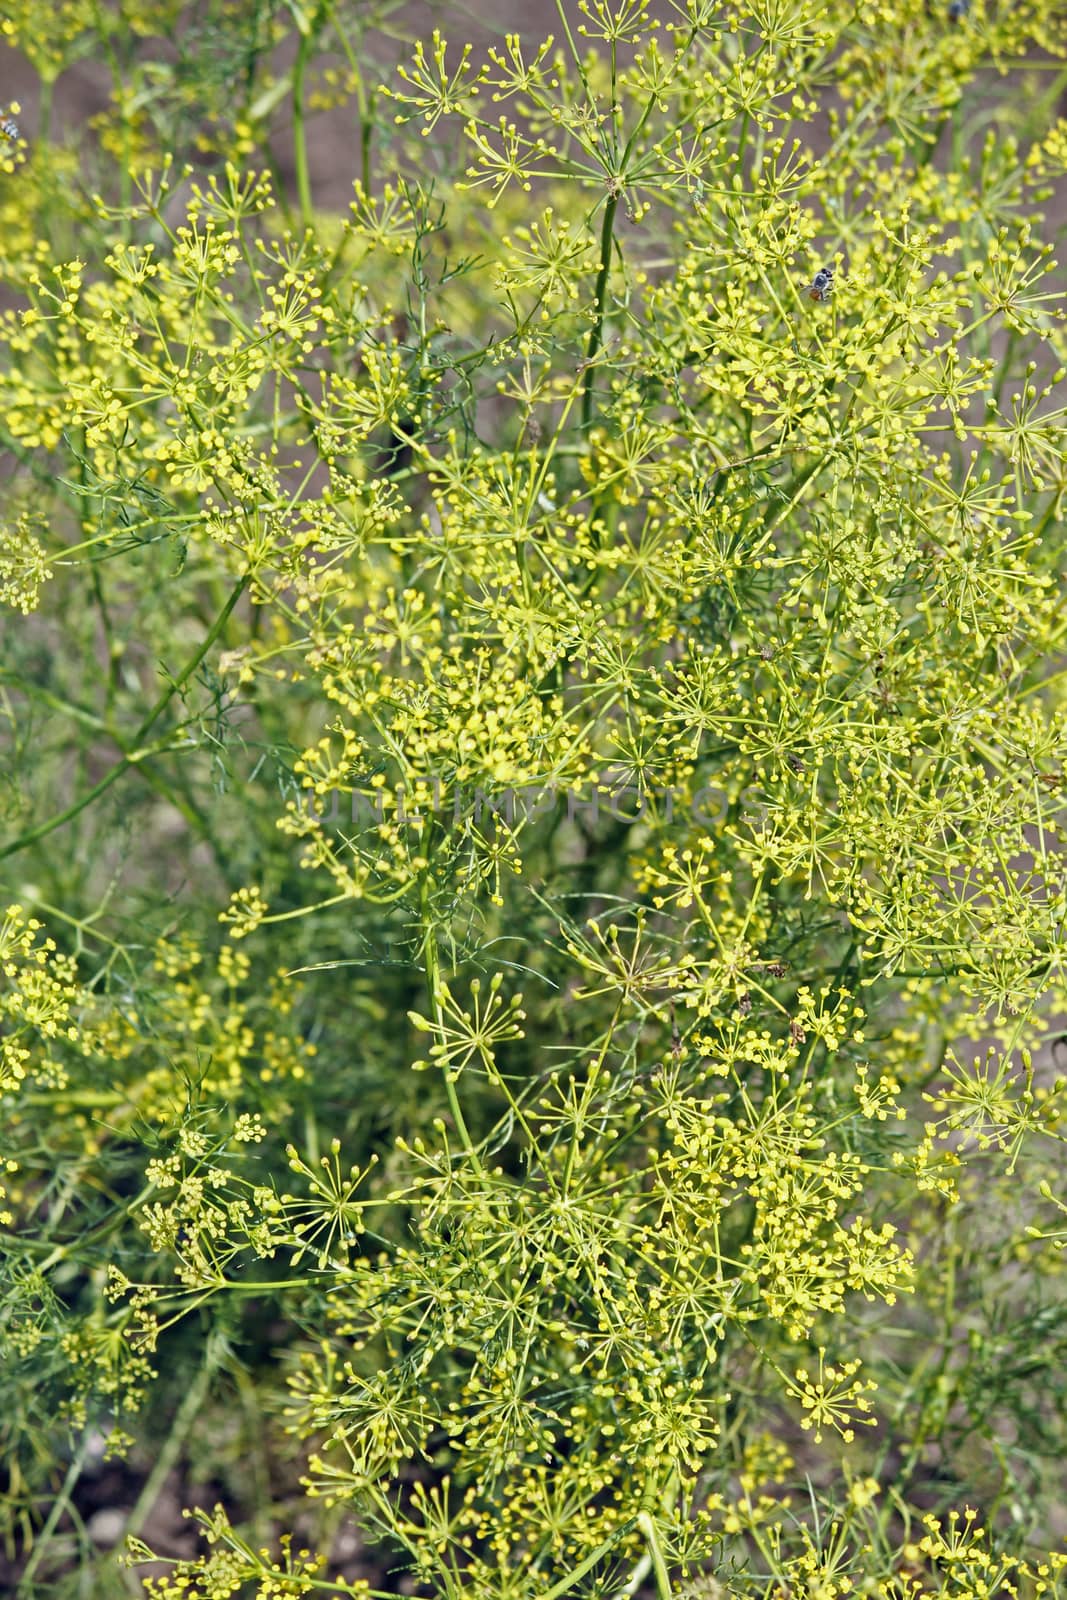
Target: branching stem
[136, 752]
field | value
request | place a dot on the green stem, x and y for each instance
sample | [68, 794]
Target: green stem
[596, 334]
[44, 110]
[135, 754]
[366, 134]
[182, 802]
[575, 53]
[183, 1421]
[300, 150]
[59, 1506]
[655, 1550]
[433, 984]
[567, 1583]
[652, 1545]
[366, 100]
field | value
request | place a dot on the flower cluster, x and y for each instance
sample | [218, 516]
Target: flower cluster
[595, 1196]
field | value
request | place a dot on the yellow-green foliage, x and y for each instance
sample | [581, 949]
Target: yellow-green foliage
[534, 799]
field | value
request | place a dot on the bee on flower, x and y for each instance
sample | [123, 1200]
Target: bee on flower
[958, 9]
[822, 285]
[9, 128]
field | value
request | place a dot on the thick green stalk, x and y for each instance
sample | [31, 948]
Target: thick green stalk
[596, 334]
[655, 1550]
[300, 149]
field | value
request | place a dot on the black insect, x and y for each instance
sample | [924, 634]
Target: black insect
[822, 286]
[958, 9]
[9, 128]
